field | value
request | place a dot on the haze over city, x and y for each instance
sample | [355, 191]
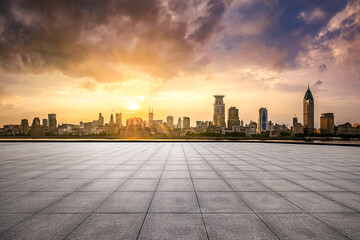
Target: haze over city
[81, 58]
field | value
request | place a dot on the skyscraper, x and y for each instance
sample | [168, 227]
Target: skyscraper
[295, 120]
[100, 120]
[327, 123]
[179, 123]
[52, 120]
[219, 111]
[308, 110]
[24, 127]
[233, 117]
[151, 117]
[118, 117]
[263, 118]
[170, 122]
[45, 122]
[186, 122]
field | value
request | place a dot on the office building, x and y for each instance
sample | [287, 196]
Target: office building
[45, 122]
[36, 129]
[327, 124]
[150, 117]
[295, 120]
[219, 111]
[118, 117]
[263, 119]
[178, 125]
[170, 122]
[52, 120]
[100, 122]
[233, 117]
[24, 127]
[308, 111]
[186, 123]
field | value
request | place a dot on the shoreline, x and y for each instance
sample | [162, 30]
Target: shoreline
[117, 140]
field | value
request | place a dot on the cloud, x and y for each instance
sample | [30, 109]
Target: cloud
[8, 100]
[341, 37]
[99, 39]
[318, 82]
[314, 15]
[322, 68]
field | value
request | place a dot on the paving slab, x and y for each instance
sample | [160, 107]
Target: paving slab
[178, 190]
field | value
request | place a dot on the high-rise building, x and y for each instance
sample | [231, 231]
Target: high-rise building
[233, 117]
[112, 119]
[219, 111]
[327, 123]
[118, 117]
[24, 127]
[170, 122]
[295, 120]
[178, 125]
[100, 120]
[45, 122]
[186, 122]
[263, 118]
[52, 120]
[151, 117]
[36, 129]
[308, 110]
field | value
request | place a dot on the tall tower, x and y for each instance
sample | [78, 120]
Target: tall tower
[101, 120]
[308, 110]
[52, 120]
[170, 122]
[219, 111]
[118, 117]
[263, 118]
[233, 117]
[151, 117]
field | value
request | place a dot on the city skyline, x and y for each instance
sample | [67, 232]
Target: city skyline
[194, 50]
[134, 112]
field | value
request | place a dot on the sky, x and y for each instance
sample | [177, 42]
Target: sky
[78, 58]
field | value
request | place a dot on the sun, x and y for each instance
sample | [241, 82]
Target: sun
[133, 105]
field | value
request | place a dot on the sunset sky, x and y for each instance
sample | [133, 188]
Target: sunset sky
[79, 58]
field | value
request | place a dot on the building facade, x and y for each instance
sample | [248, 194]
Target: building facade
[186, 123]
[263, 119]
[308, 112]
[233, 117]
[219, 111]
[118, 117]
[327, 124]
[100, 122]
[52, 121]
[24, 127]
[170, 122]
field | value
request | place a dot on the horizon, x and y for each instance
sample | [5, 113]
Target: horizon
[78, 60]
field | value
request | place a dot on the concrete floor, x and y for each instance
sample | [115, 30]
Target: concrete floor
[179, 190]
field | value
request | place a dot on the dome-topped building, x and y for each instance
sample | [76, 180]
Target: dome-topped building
[308, 104]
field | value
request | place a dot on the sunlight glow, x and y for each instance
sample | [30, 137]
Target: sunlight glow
[133, 105]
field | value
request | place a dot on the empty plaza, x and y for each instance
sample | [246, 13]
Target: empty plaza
[178, 190]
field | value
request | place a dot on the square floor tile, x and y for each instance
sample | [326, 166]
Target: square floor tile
[122, 202]
[236, 226]
[221, 202]
[211, 185]
[299, 226]
[109, 226]
[268, 202]
[184, 202]
[175, 185]
[173, 226]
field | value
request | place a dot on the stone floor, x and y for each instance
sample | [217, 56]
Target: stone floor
[190, 190]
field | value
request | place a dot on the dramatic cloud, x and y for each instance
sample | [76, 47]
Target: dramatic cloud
[78, 56]
[105, 40]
